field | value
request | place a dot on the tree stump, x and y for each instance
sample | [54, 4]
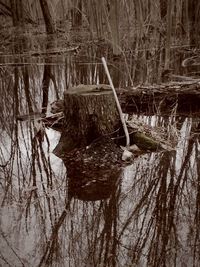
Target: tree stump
[90, 112]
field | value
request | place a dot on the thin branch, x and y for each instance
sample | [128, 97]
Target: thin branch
[117, 102]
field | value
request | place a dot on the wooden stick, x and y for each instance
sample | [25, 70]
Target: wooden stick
[117, 102]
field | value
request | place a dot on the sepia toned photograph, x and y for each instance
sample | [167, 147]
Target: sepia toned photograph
[100, 133]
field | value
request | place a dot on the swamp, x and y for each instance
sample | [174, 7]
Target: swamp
[100, 133]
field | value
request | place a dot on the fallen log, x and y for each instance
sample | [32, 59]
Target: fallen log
[182, 98]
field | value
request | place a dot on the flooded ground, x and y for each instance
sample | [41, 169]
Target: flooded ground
[151, 217]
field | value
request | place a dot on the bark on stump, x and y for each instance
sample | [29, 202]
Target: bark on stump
[90, 112]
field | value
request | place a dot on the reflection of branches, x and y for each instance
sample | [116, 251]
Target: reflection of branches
[47, 75]
[166, 206]
[14, 252]
[52, 244]
[108, 237]
[156, 217]
[4, 259]
[161, 232]
[139, 206]
[14, 139]
[27, 87]
[141, 226]
[45, 87]
[42, 164]
[196, 245]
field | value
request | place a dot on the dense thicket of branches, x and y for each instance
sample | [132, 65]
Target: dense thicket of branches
[152, 217]
[178, 18]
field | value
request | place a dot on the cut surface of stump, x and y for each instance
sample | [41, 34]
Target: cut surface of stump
[90, 112]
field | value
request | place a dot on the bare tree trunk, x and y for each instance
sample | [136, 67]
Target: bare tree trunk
[163, 8]
[114, 25]
[50, 26]
[76, 14]
[25, 73]
[185, 18]
[45, 87]
[47, 75]
[194, 17]
[17, 12]
[20, 47]
[169, 33]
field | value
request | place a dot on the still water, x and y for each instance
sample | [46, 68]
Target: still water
[151, 216]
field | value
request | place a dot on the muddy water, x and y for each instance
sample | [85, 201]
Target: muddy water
[152, 216]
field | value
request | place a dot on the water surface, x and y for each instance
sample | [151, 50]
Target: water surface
[152, 215]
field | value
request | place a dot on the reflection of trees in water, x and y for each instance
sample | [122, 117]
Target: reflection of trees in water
[163, 213]
[151, 220]
[29, 183]
[147, 222]
[86, 241]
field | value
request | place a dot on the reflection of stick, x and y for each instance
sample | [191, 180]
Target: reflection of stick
[117, 102]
